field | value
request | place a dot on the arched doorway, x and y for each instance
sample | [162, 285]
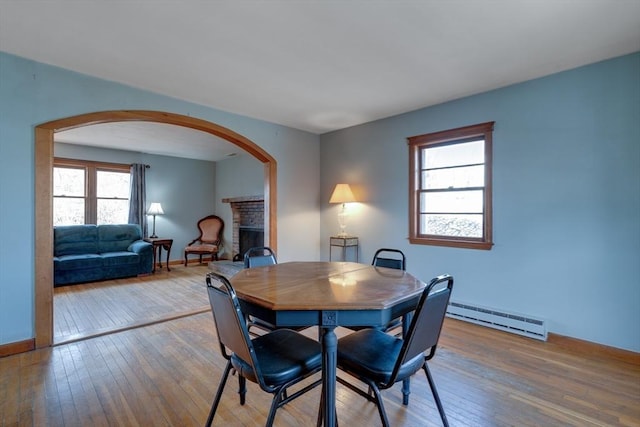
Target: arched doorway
[44, 187]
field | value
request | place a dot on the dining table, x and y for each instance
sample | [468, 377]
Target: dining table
[327, 295]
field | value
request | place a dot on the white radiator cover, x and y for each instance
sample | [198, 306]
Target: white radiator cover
[520, 324]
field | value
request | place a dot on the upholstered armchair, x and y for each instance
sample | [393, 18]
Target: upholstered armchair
[209, 241]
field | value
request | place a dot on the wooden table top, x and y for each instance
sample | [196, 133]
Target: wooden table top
[325, 286]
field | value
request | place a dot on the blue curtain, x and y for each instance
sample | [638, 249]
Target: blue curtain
[138, 197]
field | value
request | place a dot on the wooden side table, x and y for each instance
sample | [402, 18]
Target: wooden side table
[343, 242]
[158, 245]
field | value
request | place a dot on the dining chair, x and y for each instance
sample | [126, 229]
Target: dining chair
[209, 240]
[390, 258]
[275, 361]
[259, 256]
[380, 360]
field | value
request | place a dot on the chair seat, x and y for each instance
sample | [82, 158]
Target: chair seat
[283, 355]
[205, 249]
[373, 354]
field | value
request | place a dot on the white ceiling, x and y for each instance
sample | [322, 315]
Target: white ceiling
[319, 65]
[153, 138]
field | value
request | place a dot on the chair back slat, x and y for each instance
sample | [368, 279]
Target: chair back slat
[259, 257]
[424, 331]
[230, 323]
[390, 258]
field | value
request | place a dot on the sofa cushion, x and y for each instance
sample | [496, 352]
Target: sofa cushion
[111, 259]
[78, 275]
[77, 262]
[117, 237]
[75, 239]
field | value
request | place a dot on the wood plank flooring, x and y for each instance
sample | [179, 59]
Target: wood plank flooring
[165, 374]
[91, 309]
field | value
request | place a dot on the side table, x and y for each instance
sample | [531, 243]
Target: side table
[158, 245]
[343, 242]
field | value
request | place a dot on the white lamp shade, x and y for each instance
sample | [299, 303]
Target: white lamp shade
[155, 209]
[342, 194]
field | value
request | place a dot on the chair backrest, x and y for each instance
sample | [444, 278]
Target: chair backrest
[211, 228]
[424, 331]
[231, 326]
[390, 258]
[259, 256]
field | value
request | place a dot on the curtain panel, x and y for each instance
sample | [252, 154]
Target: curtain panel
[138, 196]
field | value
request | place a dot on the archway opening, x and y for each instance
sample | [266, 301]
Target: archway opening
[44, 144]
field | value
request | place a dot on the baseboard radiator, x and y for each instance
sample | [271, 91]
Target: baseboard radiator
[510, 322]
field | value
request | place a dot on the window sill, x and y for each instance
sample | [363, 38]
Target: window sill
[466, 244]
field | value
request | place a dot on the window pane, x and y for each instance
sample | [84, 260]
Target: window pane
[112, 184]
[466, 153]
[469, 176]
[68, 182]
[112, 211]
[452, 202]
[68, 211]
[451, 225]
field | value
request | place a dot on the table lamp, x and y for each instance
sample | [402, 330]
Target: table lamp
[342, 194]
[155, 209]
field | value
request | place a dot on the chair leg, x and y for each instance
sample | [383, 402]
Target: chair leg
[275, 403]
[216, 400]
[434, 391]
[380, 405]
[185, 260]
[242, 388]
[406, 391]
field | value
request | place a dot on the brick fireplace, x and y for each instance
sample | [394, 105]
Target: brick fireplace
[248, 222]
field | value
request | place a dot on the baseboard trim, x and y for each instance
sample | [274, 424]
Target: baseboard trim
[17, 347]
[205, 260]
[588, 347]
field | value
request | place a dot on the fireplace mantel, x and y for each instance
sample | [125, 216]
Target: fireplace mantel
[243, 199]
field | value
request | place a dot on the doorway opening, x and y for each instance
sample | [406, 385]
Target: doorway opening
[43, 194]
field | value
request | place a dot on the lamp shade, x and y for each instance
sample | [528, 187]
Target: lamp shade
[155, 209]
[342, 194]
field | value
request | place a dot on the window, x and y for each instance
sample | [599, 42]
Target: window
[90, 193]
[450, 187]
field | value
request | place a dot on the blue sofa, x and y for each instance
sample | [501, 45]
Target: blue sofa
[86, 253]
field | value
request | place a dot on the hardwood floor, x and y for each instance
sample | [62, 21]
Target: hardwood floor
[165, 374]
[92, 309]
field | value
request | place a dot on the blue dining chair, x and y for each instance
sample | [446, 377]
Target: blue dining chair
[380, 360]
[275, 361]
[259, 256]
[390, 258]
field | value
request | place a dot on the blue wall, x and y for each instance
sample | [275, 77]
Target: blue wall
[32, 93]
[566, 184]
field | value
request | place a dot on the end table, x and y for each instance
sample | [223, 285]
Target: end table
[158, 245]
[343, 242]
